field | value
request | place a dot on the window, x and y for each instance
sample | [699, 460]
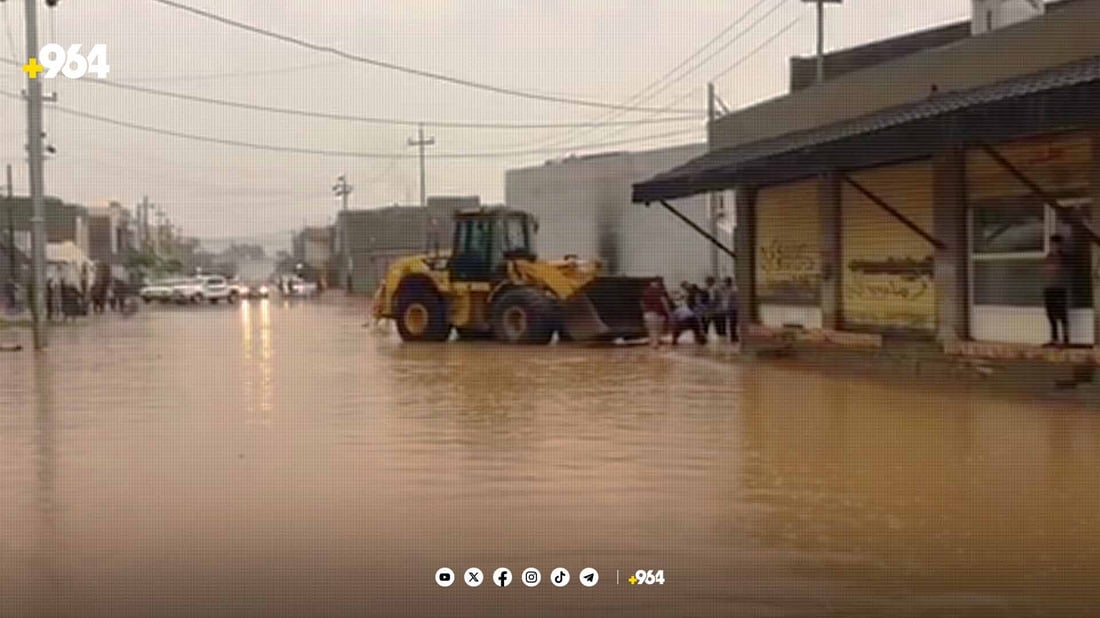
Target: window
[1017, 227]
[1011, 238]
[515, 234]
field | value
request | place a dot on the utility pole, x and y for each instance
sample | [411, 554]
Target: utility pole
[712, 197]
[38, 185]
[821, 36]
[143, 222]
[421, 143]
[11, 232]
[342, 189]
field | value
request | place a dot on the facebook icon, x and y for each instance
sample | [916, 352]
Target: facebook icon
[502, 577]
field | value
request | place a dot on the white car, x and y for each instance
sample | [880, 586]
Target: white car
[159, 290]
[295, 286]
[210, 288]
[238, 290]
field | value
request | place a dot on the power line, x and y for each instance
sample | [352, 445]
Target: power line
[194, 77]
[759, 48]
[696, 66]
[404, 69]
[346, 154]
[607, 116]
[742, 60]
[356, 118]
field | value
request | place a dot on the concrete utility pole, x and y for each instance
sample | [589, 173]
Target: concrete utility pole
[38, 185]
[712, 198]
[343, 190]
[143, 222]
[421, 143]
[821, 36]
[11, 230]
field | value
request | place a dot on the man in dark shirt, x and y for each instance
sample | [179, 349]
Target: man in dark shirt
[1056, 290]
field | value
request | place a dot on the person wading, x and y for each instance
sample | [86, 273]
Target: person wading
[655, 311]
[1056, 290]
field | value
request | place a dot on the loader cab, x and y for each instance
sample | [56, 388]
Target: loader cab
[485, 239]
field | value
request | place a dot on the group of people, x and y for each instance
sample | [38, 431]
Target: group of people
[67, 301]
[691, 308]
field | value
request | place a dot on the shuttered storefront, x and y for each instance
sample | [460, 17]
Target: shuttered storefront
[887, 274]
[1010, 230]
[788, 258]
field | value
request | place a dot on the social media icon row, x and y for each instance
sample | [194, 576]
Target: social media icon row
[502, 577]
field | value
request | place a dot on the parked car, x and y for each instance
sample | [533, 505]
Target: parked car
[210, 288]
[159, 290]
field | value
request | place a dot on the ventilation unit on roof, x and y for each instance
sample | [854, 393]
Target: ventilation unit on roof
[993, 14]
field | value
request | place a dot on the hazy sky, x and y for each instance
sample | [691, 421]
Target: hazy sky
[606, 50]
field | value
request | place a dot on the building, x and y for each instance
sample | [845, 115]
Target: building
[112, 238]
[584, 208]
[64, 222]
[313, 246]
[376, 237]
[913, 199]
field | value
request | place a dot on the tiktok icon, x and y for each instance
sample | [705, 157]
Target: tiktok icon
[559, 577]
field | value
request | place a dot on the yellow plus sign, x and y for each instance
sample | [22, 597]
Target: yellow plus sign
[32, 68]
[633, 580]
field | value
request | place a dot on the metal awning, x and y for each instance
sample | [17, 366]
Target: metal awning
[1058, 99]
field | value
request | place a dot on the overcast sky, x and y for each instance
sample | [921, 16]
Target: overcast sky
[606, 50]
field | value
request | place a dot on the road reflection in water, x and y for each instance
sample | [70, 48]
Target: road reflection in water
[274, 459]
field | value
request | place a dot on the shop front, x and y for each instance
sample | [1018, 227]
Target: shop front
[1011, 230]
[928, 222]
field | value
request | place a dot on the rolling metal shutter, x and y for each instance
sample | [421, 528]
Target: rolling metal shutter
[887, 274]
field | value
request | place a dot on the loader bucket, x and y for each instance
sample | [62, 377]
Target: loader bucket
[606, 309]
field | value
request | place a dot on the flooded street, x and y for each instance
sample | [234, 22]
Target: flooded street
[281, 459]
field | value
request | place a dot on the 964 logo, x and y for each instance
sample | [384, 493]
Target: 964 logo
[54, 60]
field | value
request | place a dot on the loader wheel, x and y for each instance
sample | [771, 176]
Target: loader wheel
[523, 315]
[421, 315]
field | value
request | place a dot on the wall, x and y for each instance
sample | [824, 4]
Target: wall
[394, 231]
[584, 208]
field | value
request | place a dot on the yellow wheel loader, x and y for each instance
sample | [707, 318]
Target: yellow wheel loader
[491, 285]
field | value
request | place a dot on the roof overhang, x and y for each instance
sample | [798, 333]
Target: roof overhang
[1057, 100]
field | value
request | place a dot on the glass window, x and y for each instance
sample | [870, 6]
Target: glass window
[1017, 226]
[515, 234]
[1011, 240]
[477, 237]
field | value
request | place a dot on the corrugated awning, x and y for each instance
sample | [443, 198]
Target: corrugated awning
[1059, 98]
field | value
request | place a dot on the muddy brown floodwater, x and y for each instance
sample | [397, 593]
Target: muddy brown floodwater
[280, 459]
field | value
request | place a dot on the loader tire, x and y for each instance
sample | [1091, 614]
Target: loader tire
[421, 315]
[523, 315]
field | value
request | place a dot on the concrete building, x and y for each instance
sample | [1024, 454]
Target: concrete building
[111, 234]
[64, 222]
[914, 199]
[314, 246]
[584, 209]
[376, 237]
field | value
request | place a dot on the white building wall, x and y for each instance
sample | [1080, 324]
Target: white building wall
[584, 208]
